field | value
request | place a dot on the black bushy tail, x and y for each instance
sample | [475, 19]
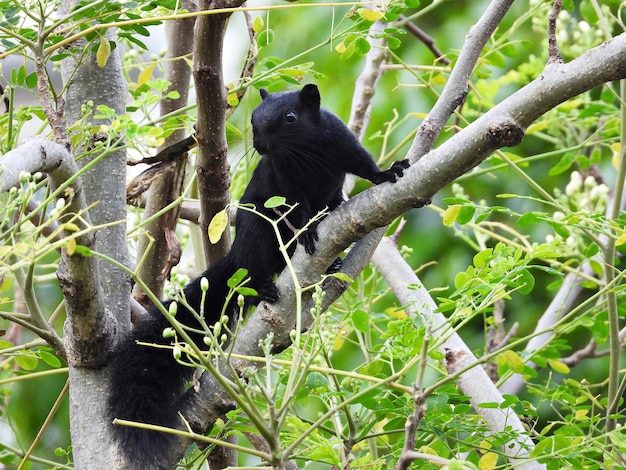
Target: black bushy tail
[146, 382]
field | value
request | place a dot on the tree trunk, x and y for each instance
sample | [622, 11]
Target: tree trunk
[104, 186]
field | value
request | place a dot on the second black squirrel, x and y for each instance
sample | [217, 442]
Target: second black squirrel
[306, 153]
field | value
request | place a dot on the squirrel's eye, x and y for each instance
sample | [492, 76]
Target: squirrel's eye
[291, 116]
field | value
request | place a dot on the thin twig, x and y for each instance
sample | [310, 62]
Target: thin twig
[428, 41]
[554, 56]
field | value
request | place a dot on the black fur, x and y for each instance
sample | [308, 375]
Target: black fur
[306, 153]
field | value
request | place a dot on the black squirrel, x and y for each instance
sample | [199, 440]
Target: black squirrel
[306, 152]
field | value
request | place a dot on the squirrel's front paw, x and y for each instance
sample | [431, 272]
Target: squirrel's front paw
[267, 293]
[335, 267]
[308, 239]
[393, 173]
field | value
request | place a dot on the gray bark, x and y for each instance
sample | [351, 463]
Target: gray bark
[87, 328]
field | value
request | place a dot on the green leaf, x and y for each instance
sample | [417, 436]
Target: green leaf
[82, 250]
[50, 359]
[265, 37]
[31, 80]
[26, 362]
[393, 42]
[236, 278]
[560, 229]
[482, 258]
[258, 24]
[342, 277]
[526, 281]
[588, 12]
[317, 381]
[246, 291]
[361, 321]
[466, 214]
[497, 60]
[275, 201]
[558, 366]
[563, 165]
[618, 438]
[529, 218]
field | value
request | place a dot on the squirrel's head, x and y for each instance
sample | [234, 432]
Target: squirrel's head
[285, 119]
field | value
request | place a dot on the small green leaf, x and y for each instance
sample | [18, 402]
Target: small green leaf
[588, 12]
[247, 291]
[618, 438]
[31, 80]
[258, 24]
[82, 250]
[265, 37]
[497, 60]
[236, 278]
[563, 165]
[26, 362]
[527, 282]
[393, 42]
[529, 218]
[466, 214]
[361, 321]
[342, 277]
[362, 46]
[596, 267]
[50, 359]
[275, 201]
[481, 258]
[558, 366]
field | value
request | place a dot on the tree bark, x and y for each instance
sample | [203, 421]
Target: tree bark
[87, 327]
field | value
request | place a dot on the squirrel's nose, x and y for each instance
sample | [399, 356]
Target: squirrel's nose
[261, 145]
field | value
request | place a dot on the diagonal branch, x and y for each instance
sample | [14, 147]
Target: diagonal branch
[457, 87]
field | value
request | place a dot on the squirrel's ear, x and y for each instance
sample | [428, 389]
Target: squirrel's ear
[264, 93]
[310, 96]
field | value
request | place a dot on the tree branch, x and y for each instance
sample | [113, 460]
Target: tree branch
[212, 167]
[457, 87]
